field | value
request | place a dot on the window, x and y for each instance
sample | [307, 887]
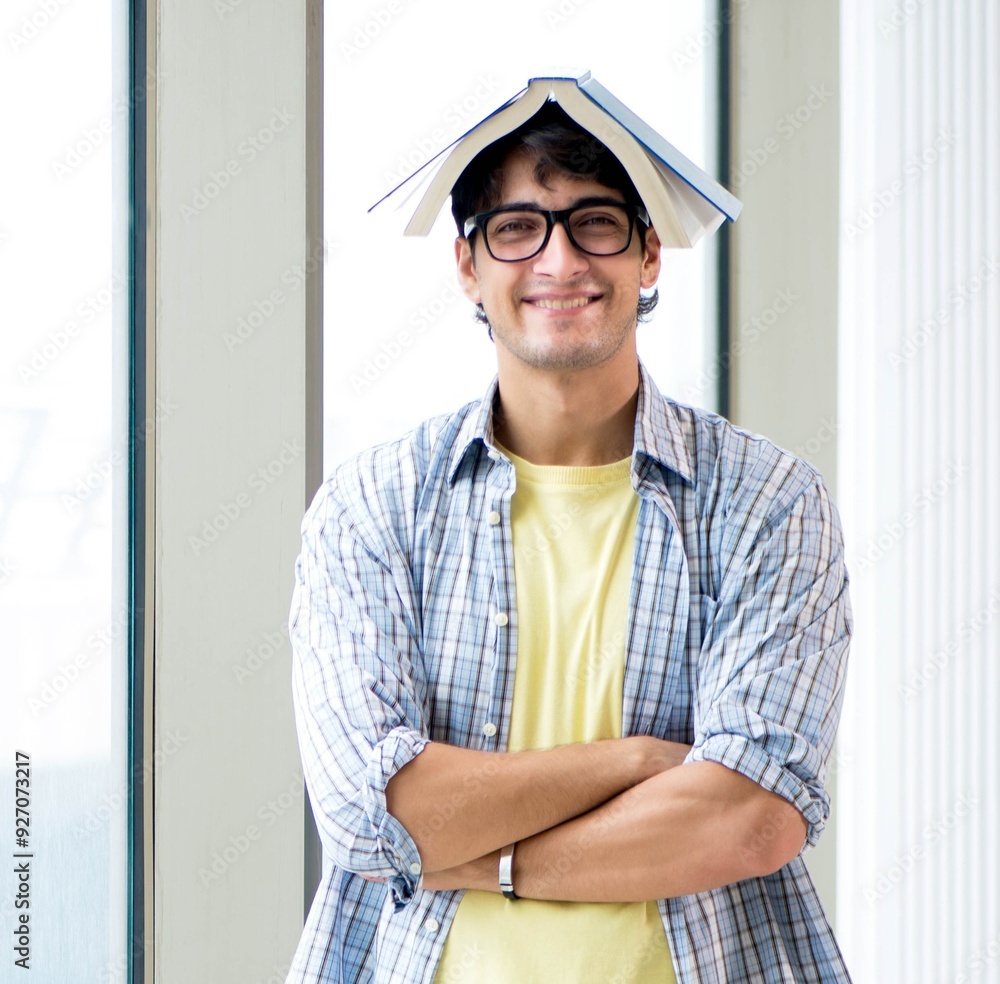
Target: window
[401, 84]
[64, 465]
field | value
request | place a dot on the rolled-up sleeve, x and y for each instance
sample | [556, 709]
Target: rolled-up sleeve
[773, 661]
[359, 712]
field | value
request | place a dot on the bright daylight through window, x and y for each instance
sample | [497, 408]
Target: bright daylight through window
[64, 450]
[400, 341]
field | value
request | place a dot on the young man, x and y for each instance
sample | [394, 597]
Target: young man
[575, 638]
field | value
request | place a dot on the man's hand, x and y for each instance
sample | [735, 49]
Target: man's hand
[459, 804]
[660, 755]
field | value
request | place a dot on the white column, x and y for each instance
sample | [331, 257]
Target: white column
[783, 328]
[234, 213]
[920, 470]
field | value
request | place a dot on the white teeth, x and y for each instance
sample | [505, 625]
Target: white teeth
[559, 305]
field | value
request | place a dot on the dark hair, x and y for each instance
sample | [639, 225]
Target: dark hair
[559, 146]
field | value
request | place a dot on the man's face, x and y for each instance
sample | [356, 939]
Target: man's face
[562, 309]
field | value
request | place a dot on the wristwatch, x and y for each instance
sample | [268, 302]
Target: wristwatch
[507, 872]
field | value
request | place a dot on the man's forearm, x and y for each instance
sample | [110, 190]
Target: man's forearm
[459, 804]
[683, 831]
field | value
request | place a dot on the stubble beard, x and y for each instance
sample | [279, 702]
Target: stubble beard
[584, 354]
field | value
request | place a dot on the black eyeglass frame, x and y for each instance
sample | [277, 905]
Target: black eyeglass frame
[634, 212]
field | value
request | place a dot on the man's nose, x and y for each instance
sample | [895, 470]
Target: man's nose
[560, 259]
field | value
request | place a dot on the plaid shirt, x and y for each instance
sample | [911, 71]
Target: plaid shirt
[404, 630]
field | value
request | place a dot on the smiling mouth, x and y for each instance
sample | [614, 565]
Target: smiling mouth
[562, 304]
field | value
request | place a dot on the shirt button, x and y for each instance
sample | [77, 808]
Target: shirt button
[493, 518]
[432, 925]
[415, 868]
[500, 618]
[489, 729]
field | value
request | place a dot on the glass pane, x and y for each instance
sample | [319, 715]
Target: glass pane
[400, 341]
[63, 468]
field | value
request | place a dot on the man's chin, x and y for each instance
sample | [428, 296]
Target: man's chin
[552, 356]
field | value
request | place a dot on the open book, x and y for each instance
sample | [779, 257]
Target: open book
[684, 203]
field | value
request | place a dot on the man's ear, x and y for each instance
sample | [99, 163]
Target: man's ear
[650, 259]
[466, 263]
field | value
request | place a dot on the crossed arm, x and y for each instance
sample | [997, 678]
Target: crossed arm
[626, 819]
[611, 821]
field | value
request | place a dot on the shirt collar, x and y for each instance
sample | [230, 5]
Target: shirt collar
[477, 428]
[658, 433]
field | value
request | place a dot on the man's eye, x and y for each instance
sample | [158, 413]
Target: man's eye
[598, 219]
[514, 226]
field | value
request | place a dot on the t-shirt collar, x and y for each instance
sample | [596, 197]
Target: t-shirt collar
[658, 433]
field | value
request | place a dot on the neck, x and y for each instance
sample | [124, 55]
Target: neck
[576, 417]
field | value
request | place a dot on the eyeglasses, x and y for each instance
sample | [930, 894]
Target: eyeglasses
[598, 227]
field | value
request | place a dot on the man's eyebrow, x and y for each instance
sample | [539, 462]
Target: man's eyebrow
[579, 203]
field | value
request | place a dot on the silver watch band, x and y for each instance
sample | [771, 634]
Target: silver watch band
[507, 872]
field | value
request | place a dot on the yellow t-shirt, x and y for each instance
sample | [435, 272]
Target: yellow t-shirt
[574, 536]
